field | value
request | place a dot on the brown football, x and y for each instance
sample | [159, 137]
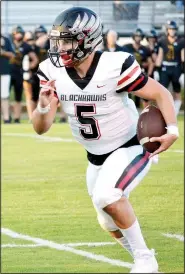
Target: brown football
[150, 124]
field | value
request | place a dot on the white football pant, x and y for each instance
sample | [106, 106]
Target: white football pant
[5, 86]
[121, 172]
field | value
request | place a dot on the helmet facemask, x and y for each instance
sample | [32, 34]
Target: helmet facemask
[65, 51]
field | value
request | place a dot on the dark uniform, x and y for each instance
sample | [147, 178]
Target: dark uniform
[42, 55]
[5, 77]
[154, 52]
[16, 69]
[171, 64]
[4, 61]
[141, 55]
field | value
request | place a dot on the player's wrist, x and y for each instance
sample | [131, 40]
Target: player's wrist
[43, 110]
[172, 129]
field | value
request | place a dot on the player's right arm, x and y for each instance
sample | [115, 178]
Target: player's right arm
[47, 100]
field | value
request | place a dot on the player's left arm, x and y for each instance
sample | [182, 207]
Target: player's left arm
[153, 90]
[132, 79]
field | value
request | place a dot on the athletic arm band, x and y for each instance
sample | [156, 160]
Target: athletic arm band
[172, 129]
[43, 110]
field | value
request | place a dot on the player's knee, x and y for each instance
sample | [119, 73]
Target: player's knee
[107, 224]
[106, 197]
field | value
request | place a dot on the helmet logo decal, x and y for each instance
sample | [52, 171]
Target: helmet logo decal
[76, 24]
[79, 24]
[55, 33]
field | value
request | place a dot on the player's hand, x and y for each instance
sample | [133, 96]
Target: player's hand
[166, 141]
[47, 93]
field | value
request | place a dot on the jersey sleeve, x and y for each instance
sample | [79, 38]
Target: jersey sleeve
[43, 75]
[131, 77]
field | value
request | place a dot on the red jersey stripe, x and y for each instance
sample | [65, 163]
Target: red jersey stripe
[128, 76]
[135, 84]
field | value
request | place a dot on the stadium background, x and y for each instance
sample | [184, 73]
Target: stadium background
[137, 14]
[40, 199]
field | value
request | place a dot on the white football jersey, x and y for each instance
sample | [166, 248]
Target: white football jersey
[101, 116]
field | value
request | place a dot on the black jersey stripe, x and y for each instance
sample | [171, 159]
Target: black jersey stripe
[127, 64]
[41, 73]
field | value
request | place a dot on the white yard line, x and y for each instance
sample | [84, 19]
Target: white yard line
[65, 247]
[16, 245]
[68, 244]
[58, 139]
[40, 137]
[175, 150]
[175, 236]
[90, 244]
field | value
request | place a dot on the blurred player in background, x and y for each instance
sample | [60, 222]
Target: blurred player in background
[93, 87]
[142, 55]
[110, 40]
[41, 38]
[170, 61]
[153, 46]
[32, 93]
[6, 54]
[21, 49]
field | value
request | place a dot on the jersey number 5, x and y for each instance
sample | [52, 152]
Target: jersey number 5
[90, 130]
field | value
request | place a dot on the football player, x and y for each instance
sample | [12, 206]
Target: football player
[33, 85]
[93, 88]
[21, 49]
[152, 39]
[141, 53]
[41, 38]
[110, 40]
[170, 61]
[5, 54]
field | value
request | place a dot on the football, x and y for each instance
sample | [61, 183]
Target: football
[150, 124]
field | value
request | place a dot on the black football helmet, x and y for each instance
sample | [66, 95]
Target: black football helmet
[152, 34]
[40, 28]
[138, 32]
[74, 35]
[18, 33]
[171, 25]
[18, 29]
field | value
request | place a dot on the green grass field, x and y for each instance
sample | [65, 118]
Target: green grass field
[44, 197]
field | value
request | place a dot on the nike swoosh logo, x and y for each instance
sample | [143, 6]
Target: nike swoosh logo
[100, 86]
